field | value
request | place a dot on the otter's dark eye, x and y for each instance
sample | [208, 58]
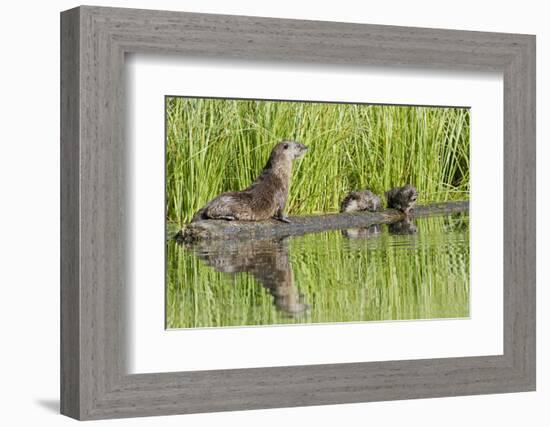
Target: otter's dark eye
[285, 146]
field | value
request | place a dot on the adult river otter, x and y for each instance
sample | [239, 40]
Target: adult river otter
[266, 197]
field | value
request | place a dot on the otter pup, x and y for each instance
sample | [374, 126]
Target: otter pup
[266, 197]
[360, 201]
[402, 198]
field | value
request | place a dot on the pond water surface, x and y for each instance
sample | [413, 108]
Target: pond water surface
[416, 269]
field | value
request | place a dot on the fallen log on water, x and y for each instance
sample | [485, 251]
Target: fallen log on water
[299, 225]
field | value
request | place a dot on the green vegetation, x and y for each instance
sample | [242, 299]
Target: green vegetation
[220, 145]
[383, 277]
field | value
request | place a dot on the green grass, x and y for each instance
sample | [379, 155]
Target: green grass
[218, 145]
[385, 277]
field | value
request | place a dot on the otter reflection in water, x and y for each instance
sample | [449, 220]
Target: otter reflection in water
[362, 233]
[405, 226]
[266, 260]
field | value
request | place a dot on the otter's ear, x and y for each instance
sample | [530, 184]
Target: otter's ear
[285, 146]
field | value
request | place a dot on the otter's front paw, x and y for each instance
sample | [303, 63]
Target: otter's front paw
[283, 218]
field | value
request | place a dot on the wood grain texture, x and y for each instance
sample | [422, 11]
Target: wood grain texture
[70, 292]
[94, 270]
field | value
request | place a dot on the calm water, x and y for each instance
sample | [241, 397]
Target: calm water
[409, 270]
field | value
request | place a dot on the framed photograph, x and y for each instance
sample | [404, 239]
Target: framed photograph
[261, 213]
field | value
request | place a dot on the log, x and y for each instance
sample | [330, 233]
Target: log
[300, 225]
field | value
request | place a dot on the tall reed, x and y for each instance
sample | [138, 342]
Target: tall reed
[216, 145]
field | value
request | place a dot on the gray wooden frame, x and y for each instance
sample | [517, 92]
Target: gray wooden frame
[94, 382]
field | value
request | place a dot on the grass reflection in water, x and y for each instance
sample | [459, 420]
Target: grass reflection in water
[414, 270]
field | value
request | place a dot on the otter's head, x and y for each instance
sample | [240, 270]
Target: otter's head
[409, 197]
[290, 150]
